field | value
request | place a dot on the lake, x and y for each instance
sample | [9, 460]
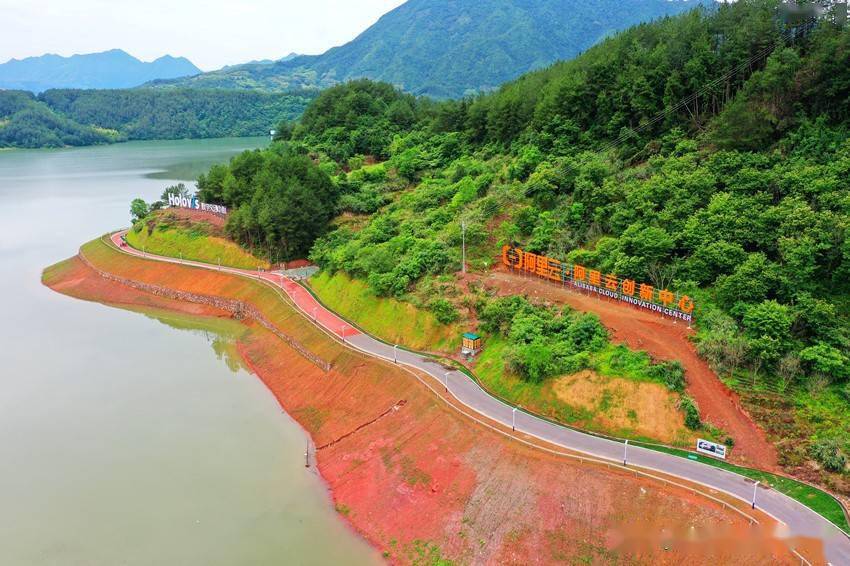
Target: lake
[127, 439]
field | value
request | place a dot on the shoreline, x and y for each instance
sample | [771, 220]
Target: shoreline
[402, 485]
[126, 141]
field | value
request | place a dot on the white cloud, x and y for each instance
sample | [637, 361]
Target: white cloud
[211, 33]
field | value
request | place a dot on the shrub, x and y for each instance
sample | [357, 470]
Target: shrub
[671, 373]
[688, 406]
[497, 315]
[534, 362]
[827, 452]
[444, 311]
[587, 333]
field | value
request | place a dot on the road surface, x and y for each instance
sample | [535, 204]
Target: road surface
[799, 519]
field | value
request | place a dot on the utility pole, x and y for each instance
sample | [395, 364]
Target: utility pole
[513, 419]
[395, 354]
[446, 377]
[343, 334]
[625, 452]
[755, 488]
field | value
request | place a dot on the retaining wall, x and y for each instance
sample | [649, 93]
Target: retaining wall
[239, 309]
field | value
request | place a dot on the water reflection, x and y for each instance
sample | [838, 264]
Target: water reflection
[125, 440]
[221, 334]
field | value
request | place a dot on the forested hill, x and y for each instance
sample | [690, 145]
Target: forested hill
[109, 69]
[449, 48]
[57, 118]
[736, 196]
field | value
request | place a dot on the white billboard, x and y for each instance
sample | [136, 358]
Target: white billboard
[193, 203]
[711, 448]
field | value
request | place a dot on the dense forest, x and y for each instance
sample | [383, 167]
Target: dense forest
[706, 153]
[57, 118]
[281, 201]
[25, 122]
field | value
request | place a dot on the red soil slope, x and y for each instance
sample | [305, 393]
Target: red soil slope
[418, 480]
[663, 339]
[191, 216]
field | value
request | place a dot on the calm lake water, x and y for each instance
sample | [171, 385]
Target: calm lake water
[126, 439]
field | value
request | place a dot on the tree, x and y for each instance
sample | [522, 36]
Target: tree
[138, 209]
[826, 361]
[179, 190]
[767, 327]
[788, 370]
[283, 201]
[753, 281]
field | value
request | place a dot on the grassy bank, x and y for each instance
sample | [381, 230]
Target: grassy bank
[391, 479]
[280, 313]
[812, 497]
[389, 319]
[612, 362]
[614, 397]
[196, 242]
[604, 406]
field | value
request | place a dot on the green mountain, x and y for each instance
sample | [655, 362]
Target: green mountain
[450, 48]
[109, 69]
[26, 122]
[706, 154]
[57, 118]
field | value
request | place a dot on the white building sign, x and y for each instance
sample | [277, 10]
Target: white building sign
[193, 203]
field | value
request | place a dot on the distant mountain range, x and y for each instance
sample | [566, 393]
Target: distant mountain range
[450, 48]
[109, 69]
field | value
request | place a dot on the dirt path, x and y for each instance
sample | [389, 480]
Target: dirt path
[663, 339]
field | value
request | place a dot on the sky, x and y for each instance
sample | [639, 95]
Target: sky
[210, 33]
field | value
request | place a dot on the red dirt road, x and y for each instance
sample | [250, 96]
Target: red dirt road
[663, 339]
[296, 292]
[311, 306]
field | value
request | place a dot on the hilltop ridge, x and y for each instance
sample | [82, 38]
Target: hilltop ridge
[448, 49]
[114, 68]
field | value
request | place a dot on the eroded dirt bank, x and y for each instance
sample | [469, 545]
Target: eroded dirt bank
[419, 480]
[666, 340]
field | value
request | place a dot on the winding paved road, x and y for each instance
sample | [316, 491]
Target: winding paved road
[799, 519]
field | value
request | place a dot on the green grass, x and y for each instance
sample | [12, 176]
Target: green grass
[541, 399]
[107, 257]
[391, 320]
[515, 390]
[826, 408]
[827, 411]
[194, 243]
[812, 497]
